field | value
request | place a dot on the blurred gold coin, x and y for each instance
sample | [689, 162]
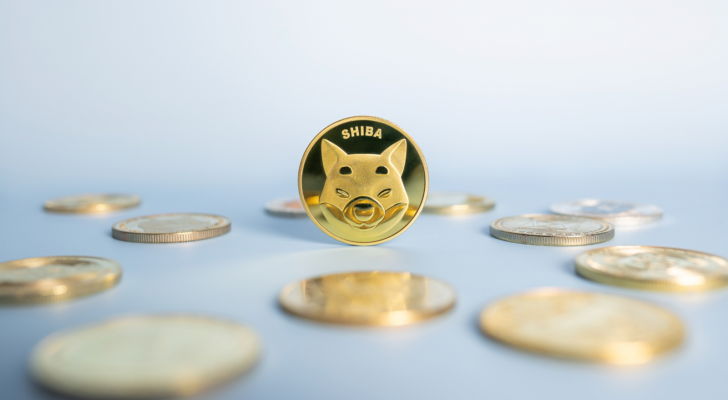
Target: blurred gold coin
[171, 228]
[144, 357]
[368, 298]
[580, 325]
[290, 208]
[653, 268]
[457, 203]
[551, 230]
[92, 203]
[55, 278]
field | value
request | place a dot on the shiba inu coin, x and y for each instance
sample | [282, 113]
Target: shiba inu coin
[368, 298]
[619, 213]
[457, 203]
[42, 279]
[551, 230]
[144, 357]
[653, 268]
[292, 208]
[585, 326]
[91, 203]
[171, 228]
[363, 180]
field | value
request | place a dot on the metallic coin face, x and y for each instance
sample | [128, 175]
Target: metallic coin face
[580, 325]
[551, 230]
[457, 203]
[368, 298]
[144, 357]
[92, 203]
[171, 228]
[43, 279]
[363, 180]
[619, 213]
[653, 268]
[291, 208]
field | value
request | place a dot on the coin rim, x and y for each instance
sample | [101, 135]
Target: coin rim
[175, 237]
[134, 201]
[546, 240]
[487, 203]
[625, 220]
[363, 118]
[270, 209]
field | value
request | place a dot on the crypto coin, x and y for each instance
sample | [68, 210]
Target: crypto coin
[551, 230]
[368, 298]
[91, 203]
[291, 208]
[42, 279]
[171, 228]
[150, 356]
[653, 268]
[619, 213]
[457, 203]
[363, 180]
[581, 325]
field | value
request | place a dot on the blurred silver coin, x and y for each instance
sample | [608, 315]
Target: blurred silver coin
[291, 208]
[457, 203]
[620, 213]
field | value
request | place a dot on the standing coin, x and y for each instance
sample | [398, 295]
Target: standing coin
[92, 203]
[171, 228]
[44, 279]
[551, 230]
[580, 325]
[363, 180]
[144, 357]
[291, 208]
[368, 298]
[653, 268]
[457, 203]
[619, 213]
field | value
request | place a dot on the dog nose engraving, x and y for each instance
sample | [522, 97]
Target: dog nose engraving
[364, 211]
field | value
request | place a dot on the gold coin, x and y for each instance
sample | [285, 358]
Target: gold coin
[171, 228]
[551, 230]
[291, 208]
[363, 180]
[144, 357]
[653, 268]
[55, 278]
[619, 213]
[92, 203]
[580, 325]
[368, 298]
[457, 203]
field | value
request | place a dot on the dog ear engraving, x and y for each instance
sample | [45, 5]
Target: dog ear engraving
[330, 154]
[397, 155]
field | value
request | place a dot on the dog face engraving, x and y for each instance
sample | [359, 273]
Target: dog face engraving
[364, 192]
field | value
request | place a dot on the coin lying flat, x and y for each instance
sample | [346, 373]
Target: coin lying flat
[44, 279]
[92, 203]
[551, 230]
[653, 268]
[171, 228]
[457, 203]
[619, 213]
[368, 298]
[363, 180]
[144, 357]
[580, 325]
[291, 208]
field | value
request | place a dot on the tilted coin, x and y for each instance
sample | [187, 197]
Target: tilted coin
[44, 279]
[292, 208]
[653, 268]
[171, 228]
[581, 325]
[368, 298]
[363, 180]
[457, 203]
[92, 203]
[144, 357]
[619, 213]
[551, 230]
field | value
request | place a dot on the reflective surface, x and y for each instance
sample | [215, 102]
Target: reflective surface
[168, 228]
[620, 213]
[551, 230]
[92, 203]
[368, 298]
[581, 325]
[457, 203]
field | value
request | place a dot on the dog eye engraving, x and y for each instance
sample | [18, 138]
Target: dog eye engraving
[382, 171]
[385, 193]
[345, 171]
[342, 193]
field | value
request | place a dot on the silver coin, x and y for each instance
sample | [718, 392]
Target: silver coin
[291, 208]
[457, 203]
[620, 213]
